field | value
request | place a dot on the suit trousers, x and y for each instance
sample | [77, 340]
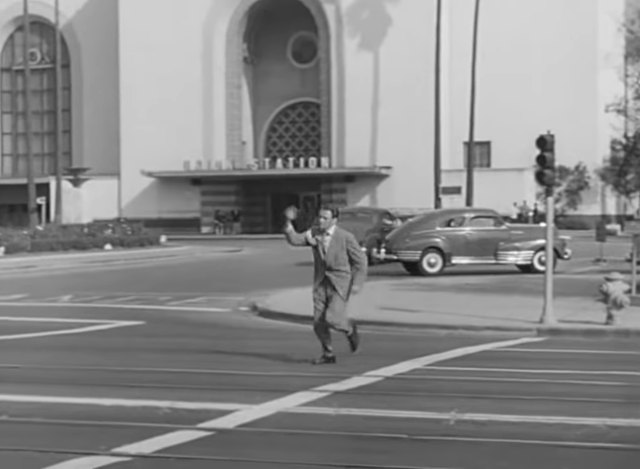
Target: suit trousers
[329, 312]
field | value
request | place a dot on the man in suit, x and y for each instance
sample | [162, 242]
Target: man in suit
[340, 269]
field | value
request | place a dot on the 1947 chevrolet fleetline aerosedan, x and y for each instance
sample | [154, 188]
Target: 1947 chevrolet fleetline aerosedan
[428, 243]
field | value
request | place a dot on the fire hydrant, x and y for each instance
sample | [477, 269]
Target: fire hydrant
[615, 296]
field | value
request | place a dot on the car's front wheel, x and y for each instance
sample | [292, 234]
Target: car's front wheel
[431, 262]
[539, 261]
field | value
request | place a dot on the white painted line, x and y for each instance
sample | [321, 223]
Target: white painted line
[278, 405]
[66, 320]
[89, 462]
[470, 417]
[286, 403]
[12, 297]
[563, 350]
[161, 442]
[118, 306]
[127, 403]
[332, 411]
[534, 371]
[77, 330]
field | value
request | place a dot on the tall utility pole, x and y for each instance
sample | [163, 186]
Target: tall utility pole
[59, 143]
[472, 112]
[31, 185]
[436, 140]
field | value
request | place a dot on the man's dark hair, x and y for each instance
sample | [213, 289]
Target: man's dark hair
[335, 212]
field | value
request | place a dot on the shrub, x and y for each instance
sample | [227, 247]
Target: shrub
[118, 233]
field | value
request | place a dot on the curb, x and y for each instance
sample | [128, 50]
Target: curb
[210, 237]
[264, 311]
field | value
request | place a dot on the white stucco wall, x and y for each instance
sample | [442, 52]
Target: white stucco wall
[543, 65]
[161, 93]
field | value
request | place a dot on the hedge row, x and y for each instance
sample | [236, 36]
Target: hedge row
[117, 233]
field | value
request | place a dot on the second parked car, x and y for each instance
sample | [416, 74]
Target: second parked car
[427, 244]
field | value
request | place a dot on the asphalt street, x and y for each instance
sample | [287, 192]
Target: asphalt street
[163, 366]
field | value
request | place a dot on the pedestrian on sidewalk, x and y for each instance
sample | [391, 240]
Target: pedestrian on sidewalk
[339, 272]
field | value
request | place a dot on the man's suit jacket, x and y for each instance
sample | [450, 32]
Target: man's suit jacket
[344, 263]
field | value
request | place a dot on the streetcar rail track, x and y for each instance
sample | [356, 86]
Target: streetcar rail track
[329, 433]
[290, 374]
[203, 458]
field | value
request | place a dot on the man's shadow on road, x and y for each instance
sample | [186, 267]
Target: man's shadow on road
[275, 357]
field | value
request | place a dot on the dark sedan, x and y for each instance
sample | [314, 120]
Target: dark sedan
[370, 225]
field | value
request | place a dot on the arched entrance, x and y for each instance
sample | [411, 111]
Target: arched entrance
[281, 50]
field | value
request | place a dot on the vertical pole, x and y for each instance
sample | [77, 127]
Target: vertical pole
[58, 81]
[31, 185]
[472, 112]
[634, 267]
[548, 315]
[437, 200]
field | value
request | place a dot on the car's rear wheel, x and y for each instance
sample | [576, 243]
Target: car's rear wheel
[411, 268]
[539, 261]
[431, 262]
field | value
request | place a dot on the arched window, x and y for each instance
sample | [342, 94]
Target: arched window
[42, 101]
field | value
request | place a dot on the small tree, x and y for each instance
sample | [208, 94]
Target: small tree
[569, 186]
[621, 171]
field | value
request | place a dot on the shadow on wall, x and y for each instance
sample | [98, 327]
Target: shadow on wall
[145, 202]
[369, 22]
[208, 38]
[367, 188]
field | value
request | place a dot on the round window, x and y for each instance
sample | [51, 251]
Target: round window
[303, 49]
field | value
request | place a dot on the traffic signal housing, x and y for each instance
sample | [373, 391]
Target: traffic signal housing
[545, 161]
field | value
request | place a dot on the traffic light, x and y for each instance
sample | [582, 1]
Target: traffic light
[545, 161]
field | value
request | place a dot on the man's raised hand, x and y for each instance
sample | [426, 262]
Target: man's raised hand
[291, 213]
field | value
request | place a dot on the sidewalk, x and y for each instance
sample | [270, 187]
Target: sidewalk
[402, 303]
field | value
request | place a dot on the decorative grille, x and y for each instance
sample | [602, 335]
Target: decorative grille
[295, 132]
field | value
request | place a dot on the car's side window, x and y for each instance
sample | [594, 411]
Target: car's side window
[485, 222]
[453, 222]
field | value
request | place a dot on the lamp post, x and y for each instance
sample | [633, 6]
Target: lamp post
[437, 200]
[59, 143]
[472, 112]
[31, 185]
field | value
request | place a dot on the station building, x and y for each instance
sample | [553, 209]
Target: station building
[188, 112]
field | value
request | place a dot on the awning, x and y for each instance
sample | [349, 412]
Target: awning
[253, 174]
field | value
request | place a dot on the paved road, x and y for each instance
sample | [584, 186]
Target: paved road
[161, 367]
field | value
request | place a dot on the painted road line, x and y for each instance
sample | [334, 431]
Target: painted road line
[330, 411]
[534, 371]
[269, 408]
[118, 306]
[130, 403]
[12, 297]
[90, 462]
[562, 350]
[98, 326]
[455, 416]
[161, 442]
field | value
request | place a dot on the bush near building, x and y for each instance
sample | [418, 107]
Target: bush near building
[96, 235]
